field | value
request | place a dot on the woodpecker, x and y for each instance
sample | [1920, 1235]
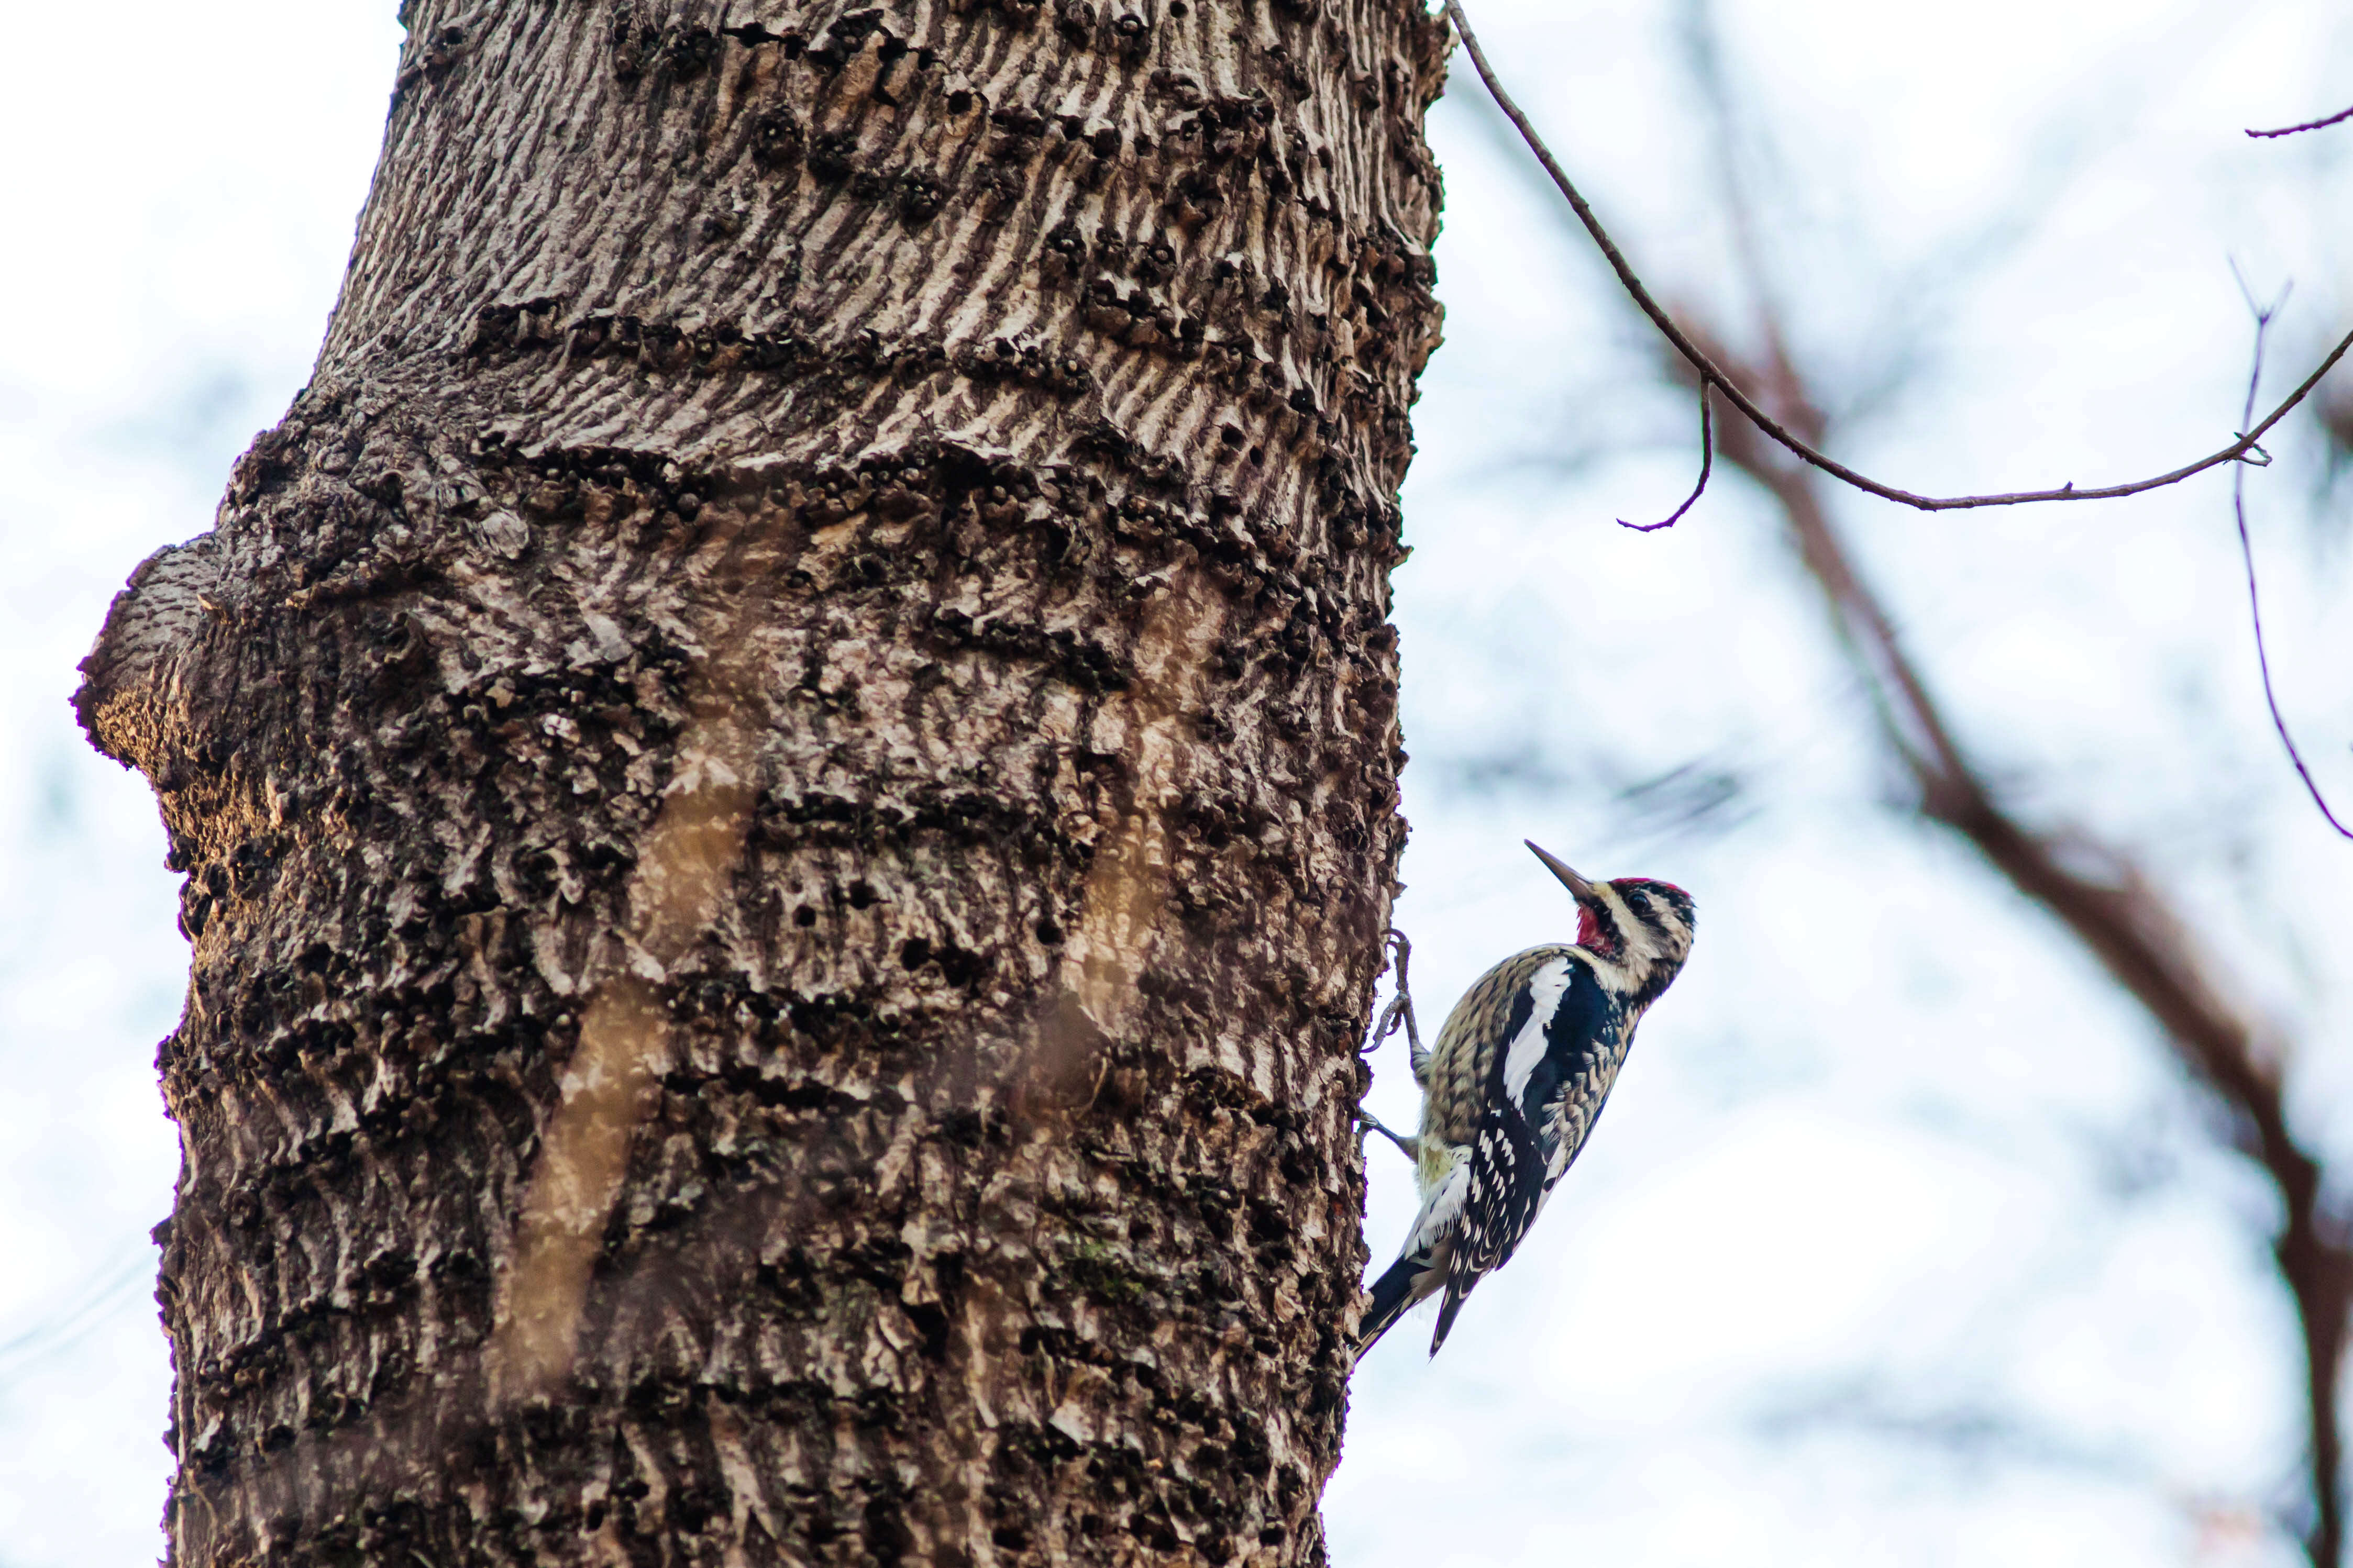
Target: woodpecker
[1521, 1072]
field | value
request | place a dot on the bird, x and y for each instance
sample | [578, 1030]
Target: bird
[1522, 1067]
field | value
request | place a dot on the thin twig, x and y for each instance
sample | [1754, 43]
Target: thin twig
[1709, 372]
[2336, 119]
[2264, 315]
[1706, 464]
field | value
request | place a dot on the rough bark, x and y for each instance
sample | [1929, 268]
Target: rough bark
[785, 767]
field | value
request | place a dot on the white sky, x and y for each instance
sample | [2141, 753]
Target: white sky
[1902, 1241]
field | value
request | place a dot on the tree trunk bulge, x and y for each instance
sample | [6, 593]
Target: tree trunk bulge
[786, 771]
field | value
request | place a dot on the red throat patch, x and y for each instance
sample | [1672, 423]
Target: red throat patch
[1589, 930]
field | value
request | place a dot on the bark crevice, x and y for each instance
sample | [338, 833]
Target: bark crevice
[786, 773]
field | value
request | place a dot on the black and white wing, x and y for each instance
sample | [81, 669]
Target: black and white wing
[1421, 1264]
[1503, 1190]
[1548, 1083]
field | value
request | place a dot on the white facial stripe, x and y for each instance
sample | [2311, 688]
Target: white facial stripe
[1643, 940]
[1630, 932]
[1527, 1048]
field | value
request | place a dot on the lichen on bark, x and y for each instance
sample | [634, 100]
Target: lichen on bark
[787, 767]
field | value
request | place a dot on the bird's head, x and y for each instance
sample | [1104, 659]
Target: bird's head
[1637, 923]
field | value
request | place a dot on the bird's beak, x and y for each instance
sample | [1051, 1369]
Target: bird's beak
[1584, 891]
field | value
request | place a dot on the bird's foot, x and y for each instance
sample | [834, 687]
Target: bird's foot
[1411, 1147]
[1401, 1008]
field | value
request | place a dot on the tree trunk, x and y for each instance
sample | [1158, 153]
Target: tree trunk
[786, 771]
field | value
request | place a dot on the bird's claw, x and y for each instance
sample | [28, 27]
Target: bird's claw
[1367, 1121]
[1399, 1012]
[1400, 1007]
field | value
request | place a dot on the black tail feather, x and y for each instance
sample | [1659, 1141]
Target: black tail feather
[1393, 1295]
[1446, 1310]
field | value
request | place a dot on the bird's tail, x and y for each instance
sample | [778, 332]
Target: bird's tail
[1393, 1295]
[1446, 1310]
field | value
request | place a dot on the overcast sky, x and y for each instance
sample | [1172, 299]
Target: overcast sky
[1902, 1241]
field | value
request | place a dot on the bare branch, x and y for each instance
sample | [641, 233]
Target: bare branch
[2337, 119]
[2264, 315]
[1710, 373]
[1706, 463]
[2122, 919]
[2094, 891]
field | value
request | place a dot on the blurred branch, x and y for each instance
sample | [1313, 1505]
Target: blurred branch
[2093, 889]
[105, 1293]
[2109, 905]
[1705, 797]
[2333, 414]
[1965, 1432]
[2338, 118]
[1706, 370]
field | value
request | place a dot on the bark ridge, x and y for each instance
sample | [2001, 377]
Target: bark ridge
[786, 771]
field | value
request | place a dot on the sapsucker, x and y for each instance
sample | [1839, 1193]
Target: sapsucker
[1521, 1071]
